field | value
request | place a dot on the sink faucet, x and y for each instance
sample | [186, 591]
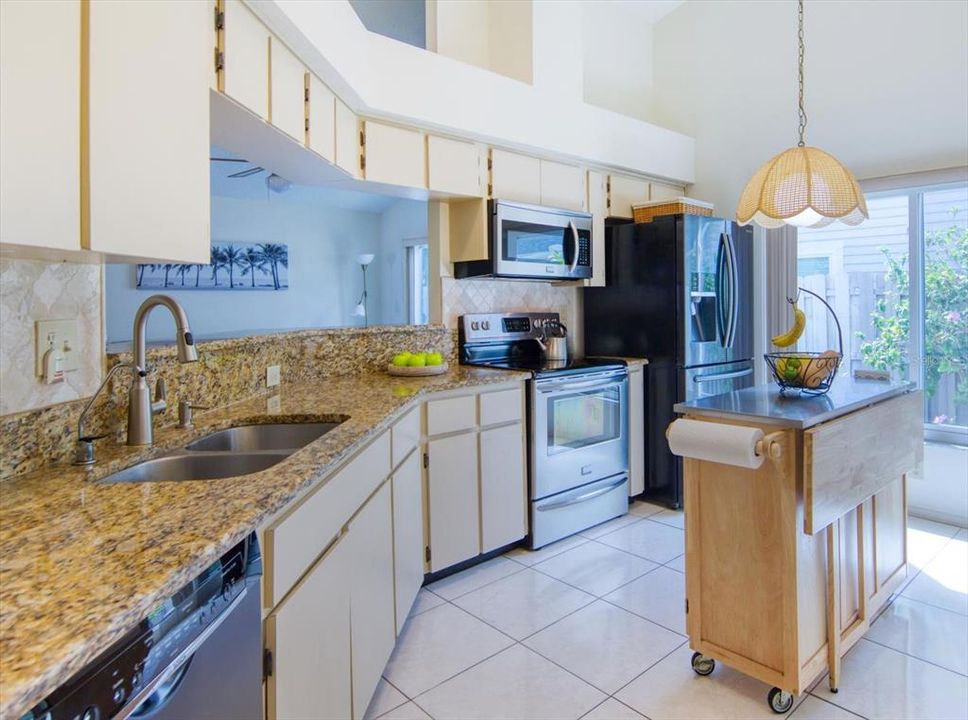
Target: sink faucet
[141, 409]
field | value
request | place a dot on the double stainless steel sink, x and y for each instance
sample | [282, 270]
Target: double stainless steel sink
[226, 453]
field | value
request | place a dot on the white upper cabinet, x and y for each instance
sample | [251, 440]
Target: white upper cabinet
[245, 58]
[321, 136]
[394, 155]
[347, 140]
[287, 109]
[562, 186]
[515, 177]
[148, 128]
[40, 134]
[664, 191]
[454, 166]
[624, 192]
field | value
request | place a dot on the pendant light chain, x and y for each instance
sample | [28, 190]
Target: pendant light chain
[803, 113]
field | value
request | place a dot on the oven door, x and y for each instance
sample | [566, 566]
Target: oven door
[579, 430]
[535, 242]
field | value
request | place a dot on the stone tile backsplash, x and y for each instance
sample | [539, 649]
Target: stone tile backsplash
[227, 371]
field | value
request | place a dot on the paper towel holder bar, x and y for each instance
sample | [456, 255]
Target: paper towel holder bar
[768, 446]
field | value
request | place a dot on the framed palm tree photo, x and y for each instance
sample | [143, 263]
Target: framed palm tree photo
[234, 266]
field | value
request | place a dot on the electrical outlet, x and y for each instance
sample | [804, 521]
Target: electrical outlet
[272, 376]
[63, 335]
[274, 405]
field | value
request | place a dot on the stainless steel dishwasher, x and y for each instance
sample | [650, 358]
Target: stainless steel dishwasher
[198, 655]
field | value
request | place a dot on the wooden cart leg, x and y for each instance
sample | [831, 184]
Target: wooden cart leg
[833, 606]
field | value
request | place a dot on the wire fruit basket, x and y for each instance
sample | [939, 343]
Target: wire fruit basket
[806, 372]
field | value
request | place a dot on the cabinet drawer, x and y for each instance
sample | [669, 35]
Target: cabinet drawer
[450, 415]
[850, 459]
[500, 407]
[405, 435]
[294, 542]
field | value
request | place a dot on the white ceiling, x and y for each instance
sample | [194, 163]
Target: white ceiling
[650, 11]
[253, 187]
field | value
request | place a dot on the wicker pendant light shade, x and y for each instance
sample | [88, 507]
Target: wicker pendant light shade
[802, 186]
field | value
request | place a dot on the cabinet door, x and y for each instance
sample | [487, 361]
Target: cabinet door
[372, 629]
[288, 91]
[598, 207]
[453, 500]
[347, 140]
[515, 177]
[394, 155]
[309, 637]
[322, 119]
[453, 166]
[408, 539]
[144, 203]
[503, 487]
[662, 191]
[890, 537]
[562, 186]
[245, 48]
[636, 431]
[624, 192]
[40, 103]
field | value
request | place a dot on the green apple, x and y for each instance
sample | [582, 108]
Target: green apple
[435, 359]
[416, 361]
[400, 359]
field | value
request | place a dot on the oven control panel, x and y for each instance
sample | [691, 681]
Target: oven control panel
[480, 327]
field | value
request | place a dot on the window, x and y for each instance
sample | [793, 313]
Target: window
[418, 276]
[899, 285]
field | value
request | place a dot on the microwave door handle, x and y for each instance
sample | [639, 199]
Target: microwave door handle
[576, 245]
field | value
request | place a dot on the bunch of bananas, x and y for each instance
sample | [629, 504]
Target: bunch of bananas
[796, 330]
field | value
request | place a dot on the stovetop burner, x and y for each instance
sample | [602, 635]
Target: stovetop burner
[542, 368]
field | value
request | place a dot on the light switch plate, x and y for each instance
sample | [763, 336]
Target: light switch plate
[64, 335]
[272, 376]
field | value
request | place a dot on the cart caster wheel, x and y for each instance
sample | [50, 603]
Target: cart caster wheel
[780, 701]
[703, 665]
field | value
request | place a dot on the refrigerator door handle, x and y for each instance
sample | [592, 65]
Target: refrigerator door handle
[721, 328]
[733, 290]
[722, 376]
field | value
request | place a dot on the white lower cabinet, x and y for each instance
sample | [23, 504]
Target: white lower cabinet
[503, 487]
[453, 500]
[636, 431]
[408, 537]
[309, 637]
[372, 619]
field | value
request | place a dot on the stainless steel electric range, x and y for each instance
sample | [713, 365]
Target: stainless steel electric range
[578, 448]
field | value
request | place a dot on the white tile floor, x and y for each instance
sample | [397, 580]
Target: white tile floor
[593, 627]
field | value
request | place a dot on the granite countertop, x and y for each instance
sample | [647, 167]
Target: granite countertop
[81, 563]
[763, 403]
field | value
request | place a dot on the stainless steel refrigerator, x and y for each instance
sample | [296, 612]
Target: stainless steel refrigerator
[679, 292]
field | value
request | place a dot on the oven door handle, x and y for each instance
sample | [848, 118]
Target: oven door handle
[576, 245]
[583, 497]
[561, 387]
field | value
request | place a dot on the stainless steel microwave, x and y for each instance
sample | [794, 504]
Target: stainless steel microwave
[533, 242]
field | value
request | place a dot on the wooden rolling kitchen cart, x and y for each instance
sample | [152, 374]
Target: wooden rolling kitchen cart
[787, 564]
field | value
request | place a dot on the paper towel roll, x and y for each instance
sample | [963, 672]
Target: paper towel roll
[716, 442]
